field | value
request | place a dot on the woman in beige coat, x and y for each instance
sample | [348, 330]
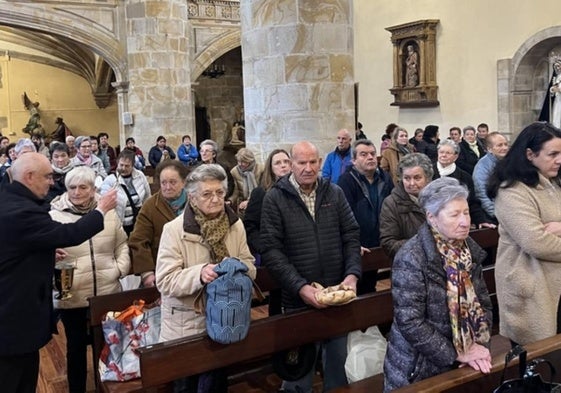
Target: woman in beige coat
[398, 149]
[100, 262]
[527, 196]
[190, 247]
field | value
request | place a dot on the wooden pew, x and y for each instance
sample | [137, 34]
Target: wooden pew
[467, 380]
[273, 329]
[164, 362]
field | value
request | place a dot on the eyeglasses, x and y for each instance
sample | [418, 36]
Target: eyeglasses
[207, 151]
[208, 195]
[85, 146]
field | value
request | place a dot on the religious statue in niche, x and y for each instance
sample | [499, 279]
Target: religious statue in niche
[238, 134]
[411, 66]
[33, 126]
[414, 66]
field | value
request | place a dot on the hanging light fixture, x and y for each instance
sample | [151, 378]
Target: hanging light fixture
[214, 71]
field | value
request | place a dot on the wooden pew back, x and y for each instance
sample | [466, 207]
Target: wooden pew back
[468, 380]
[197, 354]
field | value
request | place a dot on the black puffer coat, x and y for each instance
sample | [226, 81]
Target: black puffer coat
[420, 342]
[298, 249]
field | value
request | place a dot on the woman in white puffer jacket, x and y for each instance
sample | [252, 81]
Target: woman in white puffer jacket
[100, 262]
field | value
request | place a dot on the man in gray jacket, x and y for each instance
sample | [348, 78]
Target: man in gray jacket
[310, 234]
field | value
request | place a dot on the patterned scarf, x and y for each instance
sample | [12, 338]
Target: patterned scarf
[249, 181]
[467, 317]
[213, 232]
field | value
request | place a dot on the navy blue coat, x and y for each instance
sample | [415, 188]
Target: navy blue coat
[298, 249]
[366, 213]
[29, 239]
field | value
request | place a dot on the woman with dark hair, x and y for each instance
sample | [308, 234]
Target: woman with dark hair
[162, 207]
[387, 137]
[139, 161]
[160, 152]
[61, 164]
[527, 192]
[429, 143]
[277, 165]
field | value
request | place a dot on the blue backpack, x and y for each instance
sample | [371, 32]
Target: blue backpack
[228, 302]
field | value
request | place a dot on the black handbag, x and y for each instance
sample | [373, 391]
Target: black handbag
[529, 381]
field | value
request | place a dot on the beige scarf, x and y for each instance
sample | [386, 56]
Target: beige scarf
[213, 232]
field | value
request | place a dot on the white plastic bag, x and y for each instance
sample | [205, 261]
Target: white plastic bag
[365, 354]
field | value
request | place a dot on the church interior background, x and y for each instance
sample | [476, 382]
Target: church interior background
[286, 69]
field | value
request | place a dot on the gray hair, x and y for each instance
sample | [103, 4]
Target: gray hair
[80, 175]
[81, 139]
[211, 143]
[438, 193]
[417, 159]
[451, 143]
[358, 142]
[23, 143]
[206, 172]
[468, 128]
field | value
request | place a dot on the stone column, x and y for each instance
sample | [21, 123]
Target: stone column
[298, 72]
[159, 95]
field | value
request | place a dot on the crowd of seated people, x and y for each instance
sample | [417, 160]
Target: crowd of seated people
[418, 205]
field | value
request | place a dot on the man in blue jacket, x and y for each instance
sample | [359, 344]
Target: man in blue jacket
[337, 162]
[309, 234]
[187, 152]
[29, 241]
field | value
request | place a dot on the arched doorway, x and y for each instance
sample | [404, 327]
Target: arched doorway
[523, 80]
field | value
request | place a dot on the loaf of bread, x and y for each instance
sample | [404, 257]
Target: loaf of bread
[334, 295]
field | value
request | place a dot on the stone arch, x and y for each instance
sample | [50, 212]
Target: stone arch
[522, 81]
[218, 47]
[49, 20]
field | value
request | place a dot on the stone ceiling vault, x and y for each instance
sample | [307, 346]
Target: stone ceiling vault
[62, 53]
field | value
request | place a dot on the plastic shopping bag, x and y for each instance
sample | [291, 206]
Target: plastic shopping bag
[365, 354]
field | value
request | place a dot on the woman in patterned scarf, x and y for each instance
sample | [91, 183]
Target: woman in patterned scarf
[246, 178]
[442, 309]
[190, 247]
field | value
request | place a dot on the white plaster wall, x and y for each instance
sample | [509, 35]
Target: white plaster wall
[471, 37]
